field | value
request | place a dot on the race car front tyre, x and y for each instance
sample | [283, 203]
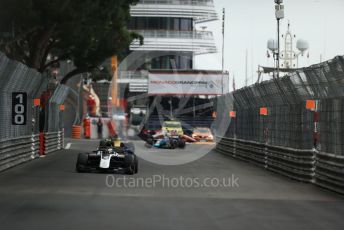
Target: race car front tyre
[81, 164]
[130, 170]
[173, 144]
[130, 161]
[136, 165]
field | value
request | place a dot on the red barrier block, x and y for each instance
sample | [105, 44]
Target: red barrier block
[316, 116]
[41, 144]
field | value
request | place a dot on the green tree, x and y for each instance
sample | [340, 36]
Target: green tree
[85, 31]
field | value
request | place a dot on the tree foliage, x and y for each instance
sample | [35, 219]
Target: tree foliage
[84, 31]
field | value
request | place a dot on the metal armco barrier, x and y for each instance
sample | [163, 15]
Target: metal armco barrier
[245, 150]
[329, 172]
[294, 163]
[322, 169]
[53, 141]
[16, 151]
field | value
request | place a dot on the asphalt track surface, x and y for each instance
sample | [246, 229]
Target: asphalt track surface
[48, 194]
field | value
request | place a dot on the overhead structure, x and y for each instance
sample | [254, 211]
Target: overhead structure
[289, 55]
[199, 11]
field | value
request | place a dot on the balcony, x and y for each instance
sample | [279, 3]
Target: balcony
[200, 11]
[137, 80]
[198, 42]
[133, 76]
[179, 2]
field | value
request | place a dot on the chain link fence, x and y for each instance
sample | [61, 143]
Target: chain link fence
[289, 123]
[21, 143]
[289, 139]
[54, 113]
[16, 77]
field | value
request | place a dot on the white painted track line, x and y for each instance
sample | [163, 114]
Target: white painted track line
[68, 146]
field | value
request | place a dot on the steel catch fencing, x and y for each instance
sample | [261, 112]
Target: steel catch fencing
[292, 140]
[289, 123]
[16, 77]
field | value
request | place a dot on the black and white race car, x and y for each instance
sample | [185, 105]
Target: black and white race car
[108, 158]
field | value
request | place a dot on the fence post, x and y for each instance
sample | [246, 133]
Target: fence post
[264, 113]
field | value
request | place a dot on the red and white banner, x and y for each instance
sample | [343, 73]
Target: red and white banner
[187, 84]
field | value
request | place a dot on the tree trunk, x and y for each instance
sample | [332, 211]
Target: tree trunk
[39, 48]
[72, 74]
[43, 65]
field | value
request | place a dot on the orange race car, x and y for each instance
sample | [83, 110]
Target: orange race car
[202, 134]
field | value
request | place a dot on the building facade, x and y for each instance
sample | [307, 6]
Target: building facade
[171, 40]
[171, 43]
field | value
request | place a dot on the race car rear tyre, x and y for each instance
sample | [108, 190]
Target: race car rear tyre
[148, 145]
[173, 144]
[81, 164]
[181, 144]
[150, 141]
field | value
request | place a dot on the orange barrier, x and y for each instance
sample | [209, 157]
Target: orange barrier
[76, 132]
[87, 128]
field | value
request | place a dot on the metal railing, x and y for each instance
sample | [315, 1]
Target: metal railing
[179, 2]
[53, 141]
[322, 169]
[329, 172]
[16, 151]
[175, 34]
[297, 164]
[142, 74]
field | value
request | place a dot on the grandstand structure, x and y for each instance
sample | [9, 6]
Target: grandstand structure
[171, 43]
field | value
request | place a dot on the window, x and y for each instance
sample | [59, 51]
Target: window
[160, 23]
[172, 61]
[153, 23]
[140, 24]
[176, 24]
[185, 24]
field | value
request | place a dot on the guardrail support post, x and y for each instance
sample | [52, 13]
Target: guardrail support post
[33, 146]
